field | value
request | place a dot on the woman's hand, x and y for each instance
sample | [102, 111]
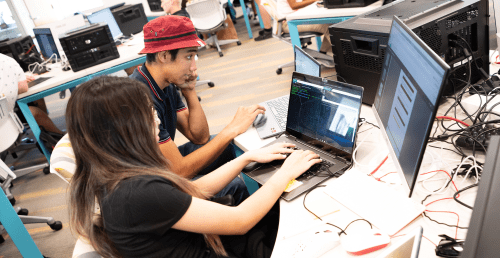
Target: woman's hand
[270, 153]
[298, 162]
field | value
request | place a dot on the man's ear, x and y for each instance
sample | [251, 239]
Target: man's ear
[163, 57]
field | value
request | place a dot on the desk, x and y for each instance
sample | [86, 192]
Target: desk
[312, 14]
[64, 80]
[294, 219]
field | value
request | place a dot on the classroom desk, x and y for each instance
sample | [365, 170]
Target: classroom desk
[64, 80]
[295, 220]
[312, 14]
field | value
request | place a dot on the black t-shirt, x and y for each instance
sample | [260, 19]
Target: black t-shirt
[138, 217]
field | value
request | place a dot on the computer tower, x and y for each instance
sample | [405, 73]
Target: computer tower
[155, 6]
[89, 46]
[331, 4]
[359, 43]
[22, 49]
[47, 35]
[130, 18]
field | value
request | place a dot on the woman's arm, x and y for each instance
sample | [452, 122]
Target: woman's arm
[216, 180]
[208, 217]
[297, 5]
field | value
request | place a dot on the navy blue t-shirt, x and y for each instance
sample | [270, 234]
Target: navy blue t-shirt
[167, 103]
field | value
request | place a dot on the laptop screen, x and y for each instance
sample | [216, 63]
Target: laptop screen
[306, 64]
[106, 16]
[324, 113]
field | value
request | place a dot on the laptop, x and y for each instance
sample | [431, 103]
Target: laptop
[323, 117]
[407, 247]
[277, 109]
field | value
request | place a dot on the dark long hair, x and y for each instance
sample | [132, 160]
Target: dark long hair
[110, 124]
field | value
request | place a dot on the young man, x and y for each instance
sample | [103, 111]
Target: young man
[171, 45]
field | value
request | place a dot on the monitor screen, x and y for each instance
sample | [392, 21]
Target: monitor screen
[324, 112]
[407, 98]
[306, 64]
[106, 16]
[46, 42]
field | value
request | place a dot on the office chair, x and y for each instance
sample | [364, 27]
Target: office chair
[208, 17]
[10, 128]
[305, 37]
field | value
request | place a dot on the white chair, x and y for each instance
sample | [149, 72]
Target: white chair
[305, 37]
[209, 16]
[10, 128]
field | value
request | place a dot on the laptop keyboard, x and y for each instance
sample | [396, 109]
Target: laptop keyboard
[279, 107]
[315, 169]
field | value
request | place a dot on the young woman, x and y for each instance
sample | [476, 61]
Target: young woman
[145, 210]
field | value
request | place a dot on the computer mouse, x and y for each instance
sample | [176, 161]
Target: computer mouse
[363, 242]
[260, 119]
[66, 68]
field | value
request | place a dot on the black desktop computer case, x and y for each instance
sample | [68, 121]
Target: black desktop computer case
[89, 46]
[130, 18]
[359, 43]
[22, 49]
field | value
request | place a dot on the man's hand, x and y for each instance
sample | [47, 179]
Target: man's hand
[22, 86]
[244, 118]
[190, 82]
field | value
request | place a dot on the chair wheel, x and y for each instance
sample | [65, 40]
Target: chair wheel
[238, 43]
[12, 201]
[56, 225]
[279, 71]
[2, 239]
[211, 84]
[46, 170]
[23, 211]
[220, 54]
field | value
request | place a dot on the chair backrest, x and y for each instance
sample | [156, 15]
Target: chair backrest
[206, 14]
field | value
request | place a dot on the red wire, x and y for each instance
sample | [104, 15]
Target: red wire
[375, 170]
[29, 50]
[378, 179]
[429, 240]
[458, 220]
[452, 118]
[440, 170]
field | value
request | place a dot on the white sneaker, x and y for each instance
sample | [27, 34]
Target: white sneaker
[255, 20]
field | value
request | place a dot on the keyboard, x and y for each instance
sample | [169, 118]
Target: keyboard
[315, 169]
[386, 208]
[279, 107]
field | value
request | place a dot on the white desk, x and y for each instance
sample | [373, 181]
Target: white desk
[64, 80]
[313, 14]
[294, 219]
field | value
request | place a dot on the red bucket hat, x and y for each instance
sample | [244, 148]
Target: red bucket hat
[170, 32]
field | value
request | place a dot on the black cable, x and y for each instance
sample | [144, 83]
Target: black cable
[338, 76]
[461, 191]
[441, 223]
[304, 203]
[445, 149]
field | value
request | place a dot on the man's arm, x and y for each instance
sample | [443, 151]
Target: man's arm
[297, 5]
[190, 165]
[192, 122]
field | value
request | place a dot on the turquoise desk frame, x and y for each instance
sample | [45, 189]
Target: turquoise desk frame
[23, 103]
[16, 229]
[294, 33]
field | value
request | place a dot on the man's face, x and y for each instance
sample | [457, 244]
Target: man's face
[183, 69]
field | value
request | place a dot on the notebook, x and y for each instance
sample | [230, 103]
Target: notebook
[322, 117]
[385, 207]
[277, 108]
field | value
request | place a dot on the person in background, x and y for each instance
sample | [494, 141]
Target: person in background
[13, 73]
[286, 7]
[266, 33]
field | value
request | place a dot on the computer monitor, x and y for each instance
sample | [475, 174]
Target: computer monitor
[482, 236]
[306, 64]
[106, 16]
[407, 98]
